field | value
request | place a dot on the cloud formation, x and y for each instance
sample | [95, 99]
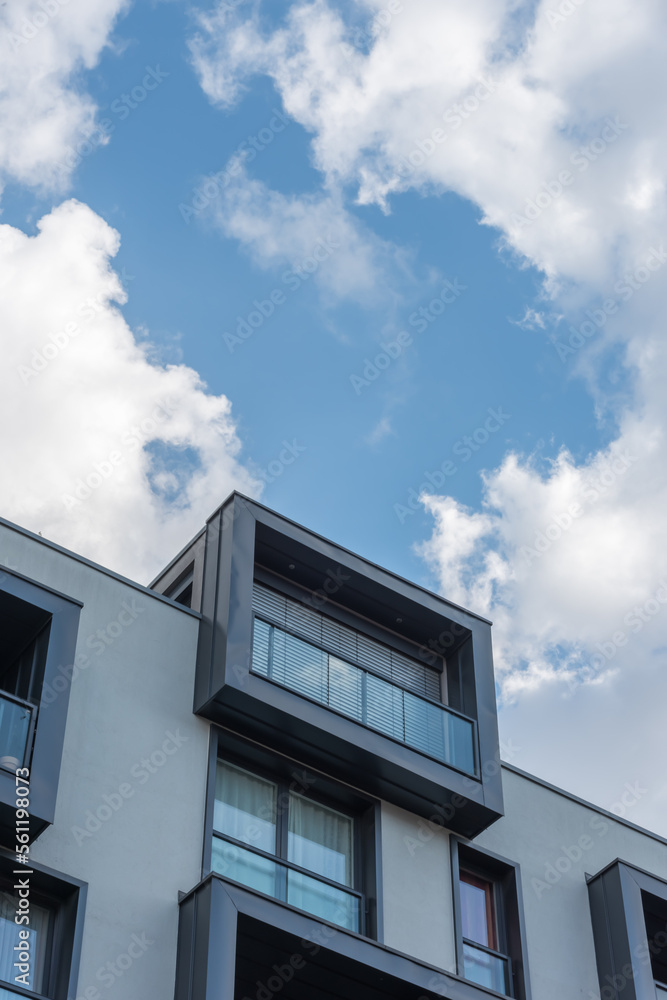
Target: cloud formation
[44, 44]
[549, 119]
[118, 458]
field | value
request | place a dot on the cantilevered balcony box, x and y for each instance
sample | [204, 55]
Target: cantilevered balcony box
[320, 654]
[38, 631]
[235, 944]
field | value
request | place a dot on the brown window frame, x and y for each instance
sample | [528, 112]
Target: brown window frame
[487, 887]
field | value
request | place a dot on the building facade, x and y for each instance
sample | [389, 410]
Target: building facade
[276, 773]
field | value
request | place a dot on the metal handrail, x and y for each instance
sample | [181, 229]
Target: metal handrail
[291, 866]
[484, 948]
[366, 671]
[30, 708]
[326, 648]
[287, 864]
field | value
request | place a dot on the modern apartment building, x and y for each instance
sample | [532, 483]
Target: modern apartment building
[276, 773]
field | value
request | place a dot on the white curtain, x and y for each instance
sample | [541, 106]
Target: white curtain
[320, 839]
[14, 722]
[245, 807]
[38, 931]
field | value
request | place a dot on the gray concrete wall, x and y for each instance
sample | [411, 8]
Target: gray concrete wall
[417, 888]
[132, 830]
[556, 841]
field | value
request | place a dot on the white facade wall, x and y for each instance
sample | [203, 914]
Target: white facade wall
[135, 697]
[556, 840]
[135, 691]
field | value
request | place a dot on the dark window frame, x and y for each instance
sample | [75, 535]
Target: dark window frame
[267, 763]
[474, 775]
[618, 915]
[504, 876]
[50, 717]
[66, 896]
[182, 589]
[245, 541]
[491, 906]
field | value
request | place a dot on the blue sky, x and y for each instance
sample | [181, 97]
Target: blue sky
[509, 232]
[187, 286]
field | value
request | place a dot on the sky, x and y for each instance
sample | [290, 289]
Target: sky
[394, 269]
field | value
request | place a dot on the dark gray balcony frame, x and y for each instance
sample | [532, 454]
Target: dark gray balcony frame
[223, 928]
[27, 754]
[67, 896]
[49, 726]
[245, 541]
[506, 877]
[369, 670]
[227, 745]
[619, 929]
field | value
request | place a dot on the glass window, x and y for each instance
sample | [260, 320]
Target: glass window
[323, 900]
[484, 957]
[245, 807]
[14, 729]
[245, 866]
[655, 914]
[477, 916]
[485, 969]
[38, 941]
[320, 839]
[254, 817]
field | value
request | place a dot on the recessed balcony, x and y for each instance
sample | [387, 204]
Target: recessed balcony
[326, 657]
[234, 944]
[363, 695]
[16, 726]
[38, 630]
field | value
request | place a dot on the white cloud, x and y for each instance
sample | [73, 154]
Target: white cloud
[554, 127]
[43, 114]
[512, 120]
[117, 458]
[313, 235]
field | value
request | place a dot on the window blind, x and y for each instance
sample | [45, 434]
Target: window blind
[345, 642]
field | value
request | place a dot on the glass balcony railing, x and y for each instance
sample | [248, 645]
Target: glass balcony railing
[288, 883]
[486, 968]
[15, 728]
[433, 729]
